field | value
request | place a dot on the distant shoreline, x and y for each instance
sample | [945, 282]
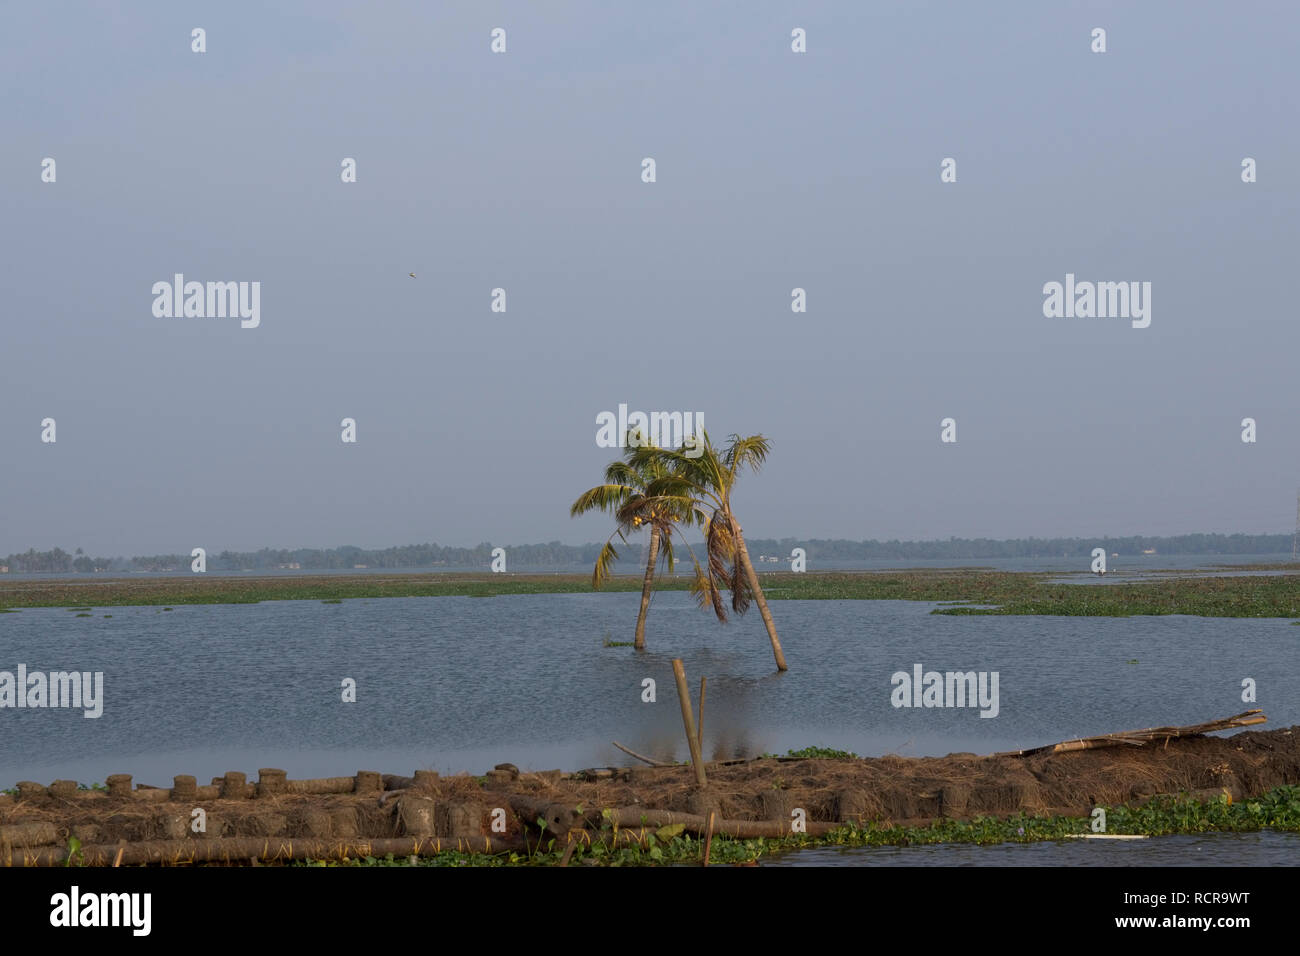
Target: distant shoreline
[823, 553]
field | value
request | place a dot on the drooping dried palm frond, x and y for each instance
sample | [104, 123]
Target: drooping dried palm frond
[604, 563]
[720, 550]
[707, 593]
[718, 533]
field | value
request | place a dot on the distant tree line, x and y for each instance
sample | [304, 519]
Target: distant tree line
[57, 560]
[346, 557]
[555, 554]
[964, 548]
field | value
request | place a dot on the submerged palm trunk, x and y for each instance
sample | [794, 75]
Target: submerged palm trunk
[742, 555]
[645, 588]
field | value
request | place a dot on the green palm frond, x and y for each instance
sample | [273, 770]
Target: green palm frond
[695, 562]
[666, 551]
[671, 486]
[619, 473]
[705, 469]
[648, 461]
[609, 497]
[743, 453]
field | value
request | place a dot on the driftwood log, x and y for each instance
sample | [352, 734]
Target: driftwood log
[562, 818]
[243, 849]
[1148, 735]
[696, 823]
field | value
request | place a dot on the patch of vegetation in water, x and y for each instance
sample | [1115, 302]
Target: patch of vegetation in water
[1273, 596]
[961, 591]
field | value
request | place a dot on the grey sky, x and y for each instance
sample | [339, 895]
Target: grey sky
[522, 171]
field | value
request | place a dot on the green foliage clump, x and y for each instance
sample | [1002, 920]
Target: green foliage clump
[819, 753]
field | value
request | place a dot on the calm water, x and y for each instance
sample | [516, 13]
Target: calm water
[459, 684]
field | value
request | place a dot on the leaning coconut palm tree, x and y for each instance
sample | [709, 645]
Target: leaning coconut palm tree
[699, 480]
[624, 490]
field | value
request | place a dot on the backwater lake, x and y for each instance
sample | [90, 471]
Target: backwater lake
[458, 684]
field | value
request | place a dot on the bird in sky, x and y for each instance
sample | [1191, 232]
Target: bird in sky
[411, 274]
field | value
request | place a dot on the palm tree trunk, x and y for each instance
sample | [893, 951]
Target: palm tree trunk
[742, 555]
[639, 643]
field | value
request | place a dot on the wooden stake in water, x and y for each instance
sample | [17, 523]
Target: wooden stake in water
[688, 721]
[708, 839]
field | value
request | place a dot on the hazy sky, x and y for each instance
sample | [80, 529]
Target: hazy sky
[522, 171]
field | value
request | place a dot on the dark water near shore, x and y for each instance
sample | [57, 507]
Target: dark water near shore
[1265, 848]
[460, 684]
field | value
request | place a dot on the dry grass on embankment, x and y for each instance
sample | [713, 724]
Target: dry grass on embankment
[370, 814]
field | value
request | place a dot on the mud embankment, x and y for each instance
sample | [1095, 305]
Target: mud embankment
[374, 814]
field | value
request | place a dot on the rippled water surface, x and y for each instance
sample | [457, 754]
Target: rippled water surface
[459, 683]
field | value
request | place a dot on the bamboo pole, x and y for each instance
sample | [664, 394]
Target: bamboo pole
[699, 724]
[688, 720]
[641, 757]
[708, 838]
